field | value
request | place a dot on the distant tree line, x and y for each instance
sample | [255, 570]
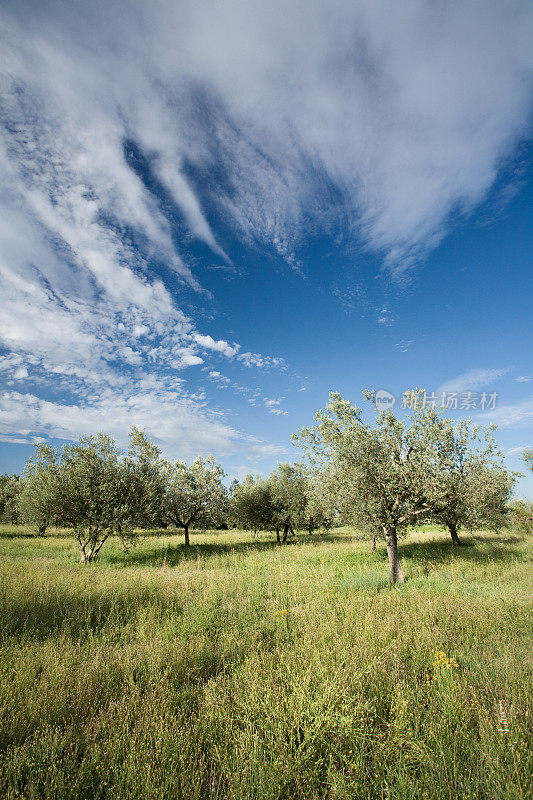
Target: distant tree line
[382, 478]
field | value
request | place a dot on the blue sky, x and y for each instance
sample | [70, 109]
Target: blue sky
[214, 213]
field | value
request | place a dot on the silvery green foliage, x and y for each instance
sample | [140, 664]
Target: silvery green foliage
[39, 496]
[378, 477]
[290, 497]
[194, 494]
[97, 493]
[527, 456]
[91, 488]
[320, 511]
[9, 496]
[251, 504]
[383, 477]
[386, 477]
[147, 473]
[521, 515]
[474, 486]
[288, 492]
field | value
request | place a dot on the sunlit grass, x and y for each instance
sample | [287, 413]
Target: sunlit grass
[239, 669]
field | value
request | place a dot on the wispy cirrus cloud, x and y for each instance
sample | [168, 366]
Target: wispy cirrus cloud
[133, 132]
[513, 451]
[473, 379]
[181, 424]
[392, 117]
[510, 414]
[273, 406]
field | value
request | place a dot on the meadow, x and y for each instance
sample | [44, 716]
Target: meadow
[243, 670]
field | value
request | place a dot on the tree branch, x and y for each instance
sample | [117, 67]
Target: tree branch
[413, 514]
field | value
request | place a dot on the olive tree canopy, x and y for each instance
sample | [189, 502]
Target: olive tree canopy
[194, 494]
[9, 496]
[288, 492]
[251, 504]
[91, 488]
[39, 497]
[384, 476]
[474, 486]
[96, 494]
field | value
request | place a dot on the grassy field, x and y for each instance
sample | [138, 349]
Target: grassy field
[238, 669]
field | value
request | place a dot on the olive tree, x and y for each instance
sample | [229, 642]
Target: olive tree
[527, 456]
[39, 495]
[251, 504]
[474, 485]
[9, 496]
[194, 494]
[287, 486]
[320, 510]
[521, 514]
[146, 478]
[522, 510]
[384, 475]
[91, 488]
[97, 494]
[286, 500]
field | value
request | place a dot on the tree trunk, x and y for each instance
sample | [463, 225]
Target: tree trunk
[285, 532]
[187, 540]
[373, 545]
[42, 529]
[83, 557]
[452, 527]
[392, 551]
[86, 556]
[277, 536]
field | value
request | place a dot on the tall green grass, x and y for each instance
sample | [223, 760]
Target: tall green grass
[238, 669]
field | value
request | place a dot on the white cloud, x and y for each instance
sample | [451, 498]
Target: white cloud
[385, 317]
[257, 360]
[183, 426]
[20, 373]
[140, 330]
[473, 379]
[242, 470]
[404, 345]
[217, 377]
[393, 115]
[510, 415]
[187, 359]
[81, 311]
[523, 379]
[273, 407]
[14, 439]
[269, 449]
[515, 450]
[130, 356]
[271, 402]
[218, 346]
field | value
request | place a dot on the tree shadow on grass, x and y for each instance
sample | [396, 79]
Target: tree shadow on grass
[478, 549]
[177, 554]
[37, 615]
